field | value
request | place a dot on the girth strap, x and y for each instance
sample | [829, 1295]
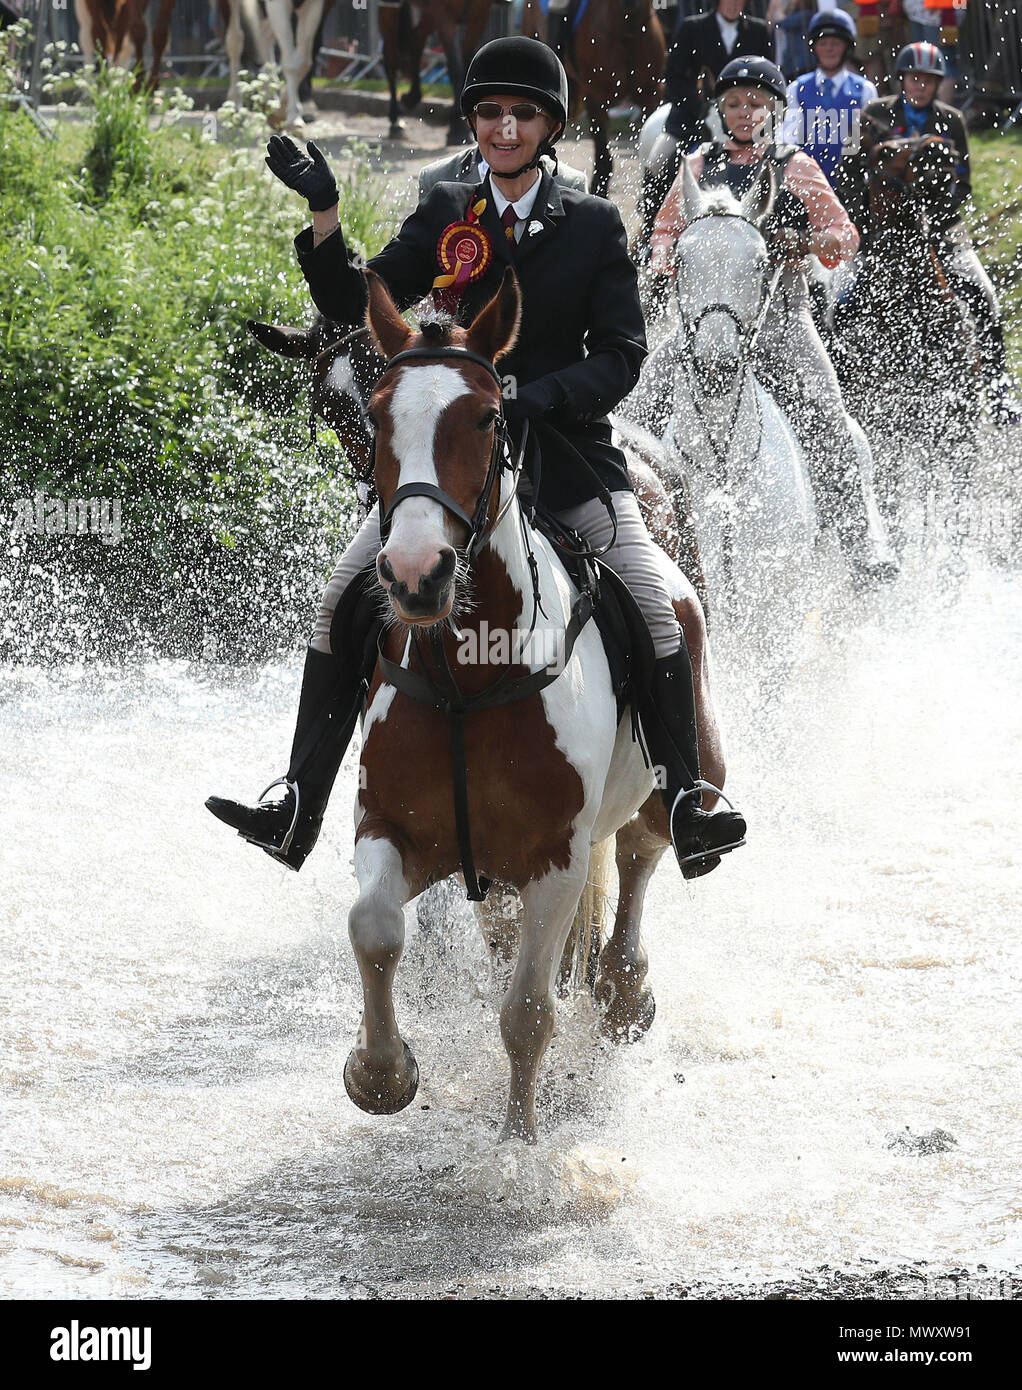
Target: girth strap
[451, 701]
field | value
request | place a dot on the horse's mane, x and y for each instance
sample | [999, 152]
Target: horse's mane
[435, 326]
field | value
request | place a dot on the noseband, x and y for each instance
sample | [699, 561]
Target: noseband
[747, 333]
[500, 458]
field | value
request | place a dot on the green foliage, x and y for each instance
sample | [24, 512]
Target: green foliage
[135, 250]
[996, 225]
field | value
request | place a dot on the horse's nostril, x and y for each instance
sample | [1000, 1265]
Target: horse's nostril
[439, 575]
[386, 572]
[716, 375]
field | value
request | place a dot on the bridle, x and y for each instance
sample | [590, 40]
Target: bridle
[747, 336]
[747, 333]
[480, 529]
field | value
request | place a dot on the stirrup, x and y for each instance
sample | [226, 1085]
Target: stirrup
[285, 845]
[699, 855]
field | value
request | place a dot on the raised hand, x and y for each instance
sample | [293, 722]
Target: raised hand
[306, 171]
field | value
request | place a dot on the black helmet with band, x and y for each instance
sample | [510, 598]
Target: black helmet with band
[520, 67]
[751, 71]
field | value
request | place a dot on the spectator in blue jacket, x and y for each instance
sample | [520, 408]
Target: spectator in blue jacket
[823, 105]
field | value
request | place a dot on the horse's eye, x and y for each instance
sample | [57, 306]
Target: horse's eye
[487, 420]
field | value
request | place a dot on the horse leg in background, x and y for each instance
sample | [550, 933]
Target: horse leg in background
[380, 1075]
[161, 30]
[389, 18]
[603, 164]
[527, 1014]
[138, 30]
[627, 1002]
[86, 35]
[415, 44]
[472, 33]
[234, 43]
[295, 48]
[305, 86]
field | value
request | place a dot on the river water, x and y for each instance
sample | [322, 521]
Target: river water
[177, 1009]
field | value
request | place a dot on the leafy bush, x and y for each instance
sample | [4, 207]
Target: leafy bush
[134, 252]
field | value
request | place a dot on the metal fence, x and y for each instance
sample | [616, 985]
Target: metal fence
[350, 43]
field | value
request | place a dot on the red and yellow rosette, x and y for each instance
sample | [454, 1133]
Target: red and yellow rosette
[463, 253]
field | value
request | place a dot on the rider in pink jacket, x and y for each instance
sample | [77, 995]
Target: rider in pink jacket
[791, 360]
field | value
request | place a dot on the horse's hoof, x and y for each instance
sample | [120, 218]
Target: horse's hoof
[624, 1022]
[397, 131]
[386, 1092]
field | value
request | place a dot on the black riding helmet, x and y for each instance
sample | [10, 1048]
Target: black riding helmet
[521, 67]
[751, 71]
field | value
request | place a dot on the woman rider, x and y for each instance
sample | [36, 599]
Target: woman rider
[792, 361]
[577, 284]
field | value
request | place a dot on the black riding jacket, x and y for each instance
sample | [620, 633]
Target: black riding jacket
[582, 338]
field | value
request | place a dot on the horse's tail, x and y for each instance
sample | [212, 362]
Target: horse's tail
[582, 954]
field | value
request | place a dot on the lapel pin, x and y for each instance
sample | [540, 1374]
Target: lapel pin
[535, 227]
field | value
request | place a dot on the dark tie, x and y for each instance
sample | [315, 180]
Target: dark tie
[510, 219]
[828, 94]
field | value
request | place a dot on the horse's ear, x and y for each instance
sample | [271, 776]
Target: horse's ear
[493, 331]
[758, 202]
[693, 198]
[288, 342]
[388, 328]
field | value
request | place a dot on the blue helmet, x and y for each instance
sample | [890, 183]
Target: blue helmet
[836, 24]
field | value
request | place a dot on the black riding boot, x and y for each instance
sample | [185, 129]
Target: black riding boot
[288, 827]
[668, 721]
[1001, 392]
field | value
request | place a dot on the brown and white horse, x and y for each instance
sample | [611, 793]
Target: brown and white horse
[547, 777]
[618, 53]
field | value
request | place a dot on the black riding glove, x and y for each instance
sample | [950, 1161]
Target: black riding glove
[307, 173]
[536, 401]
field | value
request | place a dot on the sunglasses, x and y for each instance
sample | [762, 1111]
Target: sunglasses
[522, 110]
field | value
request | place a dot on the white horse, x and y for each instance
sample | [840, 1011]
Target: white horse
[728, 445]
[292, 25]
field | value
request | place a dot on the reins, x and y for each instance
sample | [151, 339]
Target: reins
[747, 336]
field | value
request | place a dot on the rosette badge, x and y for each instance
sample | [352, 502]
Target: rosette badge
[463, 253]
